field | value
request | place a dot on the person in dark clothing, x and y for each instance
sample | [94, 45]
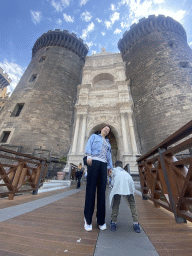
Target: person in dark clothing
[98, 152]
[79, 174]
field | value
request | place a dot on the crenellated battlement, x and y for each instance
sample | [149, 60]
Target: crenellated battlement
[5, 80]
[62, 39]
[147, 26]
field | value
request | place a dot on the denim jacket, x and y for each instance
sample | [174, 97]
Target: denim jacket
[93, 148]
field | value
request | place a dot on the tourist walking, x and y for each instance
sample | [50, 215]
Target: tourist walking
[98, 152]
[79, 174]
[123, 185]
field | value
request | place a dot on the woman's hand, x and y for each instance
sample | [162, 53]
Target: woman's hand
[89, 161]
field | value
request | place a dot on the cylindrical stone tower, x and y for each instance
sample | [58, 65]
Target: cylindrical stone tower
[39, 113]
[158, 64]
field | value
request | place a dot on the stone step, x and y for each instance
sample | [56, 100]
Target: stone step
[54, 184]
[42, 190]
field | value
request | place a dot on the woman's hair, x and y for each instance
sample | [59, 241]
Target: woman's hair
[80, 165]
[109, 130]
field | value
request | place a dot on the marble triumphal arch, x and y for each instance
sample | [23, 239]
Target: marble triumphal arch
[104, 98]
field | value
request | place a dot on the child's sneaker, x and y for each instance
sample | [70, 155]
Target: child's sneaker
[112, 226]
[87, 227]
[103, 227]
[136, 227]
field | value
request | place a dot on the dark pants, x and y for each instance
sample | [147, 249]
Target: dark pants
[78, 182]
[96, 178]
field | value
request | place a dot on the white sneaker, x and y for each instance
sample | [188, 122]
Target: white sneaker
[86, 226]
[103, 227]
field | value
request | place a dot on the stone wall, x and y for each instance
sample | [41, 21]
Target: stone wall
[158, 64]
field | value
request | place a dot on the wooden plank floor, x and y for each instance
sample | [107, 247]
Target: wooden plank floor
[54, 229]
[28, 197]
[168, 237]
[57, 228]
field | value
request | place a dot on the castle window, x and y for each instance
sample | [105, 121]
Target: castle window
[5, 136]
[33, 78]
[184, 64]
[17, 110]
[42, 59]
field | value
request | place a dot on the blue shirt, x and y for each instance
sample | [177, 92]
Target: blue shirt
[99, 149]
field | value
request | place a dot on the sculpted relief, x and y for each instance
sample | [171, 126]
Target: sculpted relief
[97, 119]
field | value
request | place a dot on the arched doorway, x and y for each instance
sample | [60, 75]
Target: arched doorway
[112, 140]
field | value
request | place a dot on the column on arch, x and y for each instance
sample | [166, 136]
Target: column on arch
[82, 140]
[74, 146]
[132, 134]
[124, 132]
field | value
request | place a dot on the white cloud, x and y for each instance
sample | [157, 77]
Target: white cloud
[86, 16]
[36, 16]
[114, 17]
[107, 24]
[59, 21]
[66, 2]
[93, 52]
[139, 9]
[86, 31]
[68, 18]
[89, 44]
[15, 72]
[98, 20]
[83, 2]
[179, 15]
[117, 31]
[190, 43]
[113, 7]
[159, 1]
[57, 6]
[103, 33]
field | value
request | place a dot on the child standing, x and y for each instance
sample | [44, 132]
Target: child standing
[123, 185]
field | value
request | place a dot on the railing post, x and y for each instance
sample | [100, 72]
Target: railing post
[178, 219]
[143, 197]
[35, 192]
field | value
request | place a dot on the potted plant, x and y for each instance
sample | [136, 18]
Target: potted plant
[61, 175]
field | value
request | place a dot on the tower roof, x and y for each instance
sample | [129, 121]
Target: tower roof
[62, 39]
[147, 26]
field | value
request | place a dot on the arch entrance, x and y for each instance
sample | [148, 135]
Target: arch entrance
[104, 98]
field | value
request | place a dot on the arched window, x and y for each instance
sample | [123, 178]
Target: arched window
[103, 79]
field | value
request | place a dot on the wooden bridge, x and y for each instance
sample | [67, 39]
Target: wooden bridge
[51, 223]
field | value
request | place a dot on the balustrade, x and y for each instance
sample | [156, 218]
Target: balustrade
[166, 174]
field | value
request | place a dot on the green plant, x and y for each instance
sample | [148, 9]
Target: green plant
[63, 159]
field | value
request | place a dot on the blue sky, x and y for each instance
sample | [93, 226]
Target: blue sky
[100, 23]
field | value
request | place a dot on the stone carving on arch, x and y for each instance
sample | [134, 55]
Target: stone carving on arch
[103, 79]
[103, 119]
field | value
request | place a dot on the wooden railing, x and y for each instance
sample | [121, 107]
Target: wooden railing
[166, 174]
[17, 170]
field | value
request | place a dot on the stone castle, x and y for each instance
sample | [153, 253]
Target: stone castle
[144, 93]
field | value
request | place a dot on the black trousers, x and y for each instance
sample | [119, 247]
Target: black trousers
[78, 182]
[96, 178]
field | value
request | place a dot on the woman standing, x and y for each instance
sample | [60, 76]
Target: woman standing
[79, 174]
[98, 152]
